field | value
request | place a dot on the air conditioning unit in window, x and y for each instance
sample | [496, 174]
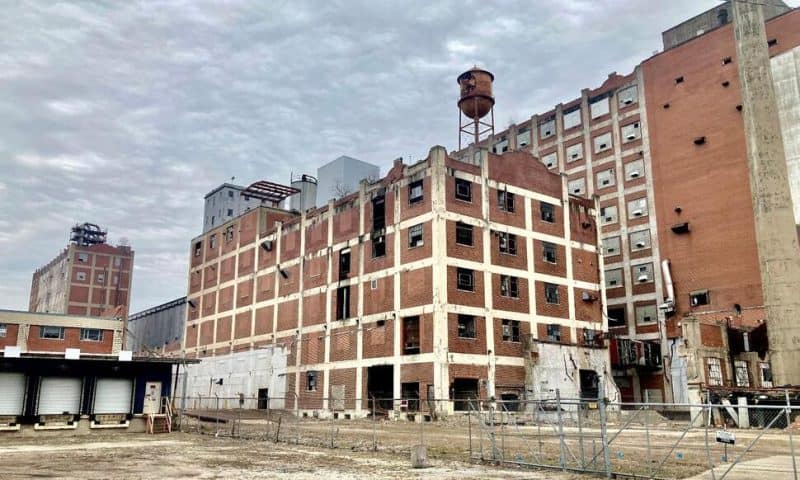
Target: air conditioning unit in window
[634, 174]
[637, 213]
[643, 278]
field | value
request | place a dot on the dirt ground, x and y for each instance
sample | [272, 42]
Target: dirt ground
[182, 456]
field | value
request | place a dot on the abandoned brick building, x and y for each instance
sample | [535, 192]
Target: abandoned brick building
[447, 279]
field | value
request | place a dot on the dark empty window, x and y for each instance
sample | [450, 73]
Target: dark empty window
[463, 234]
[212, 241]
[411, 335]
[198, 246]
[464, 279]
[549, 252]
[230, 194]
[505, 201]
[699, 298]
[508, 243]
[511, 330]
[230, 212]
[463, 190]
[772, 42]
[229, 234]
[616, 316]
[466, 326]
[548, 212]
[378, 246]
[311, 381]
[344, 264]
[726, 60]
[52, 333]
[554, 332]
[551, 293]
[343, 302]
[378, 213]
[509, 286]
[679, 79]
[415, 236]
[415, 192]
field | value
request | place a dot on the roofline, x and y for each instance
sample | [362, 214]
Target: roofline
[101, 358]
[224, 185]
[157, 308]
[63, 315]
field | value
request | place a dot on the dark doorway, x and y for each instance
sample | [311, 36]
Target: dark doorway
[410, 394]
[510, 401]
[263, 398]
[380, 386]
[589, 390]
[463, 391]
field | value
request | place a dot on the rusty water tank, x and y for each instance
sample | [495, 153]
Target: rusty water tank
[476, 92]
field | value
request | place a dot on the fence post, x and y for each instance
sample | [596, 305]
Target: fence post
[789, 428]
[580, 434]
[561, 458]
[491, 431]
[374, 432]
[647, 432]
[601, 403]
[216, 418]
[469, 428]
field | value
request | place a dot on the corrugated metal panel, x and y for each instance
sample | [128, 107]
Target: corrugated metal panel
[59, 395]
[113, 395]
[12, 398]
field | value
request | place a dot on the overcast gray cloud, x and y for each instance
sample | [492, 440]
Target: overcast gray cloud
[126, 113]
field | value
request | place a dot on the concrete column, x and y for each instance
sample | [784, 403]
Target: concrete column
[776, 235]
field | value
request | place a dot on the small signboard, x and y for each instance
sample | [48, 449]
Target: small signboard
[724, 436]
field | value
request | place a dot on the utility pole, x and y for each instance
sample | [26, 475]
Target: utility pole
[776, 235]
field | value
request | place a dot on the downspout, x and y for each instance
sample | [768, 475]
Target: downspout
[670, 300]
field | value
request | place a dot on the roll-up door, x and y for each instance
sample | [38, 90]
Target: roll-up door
[60, 395]
[113, 395]
[12, 398]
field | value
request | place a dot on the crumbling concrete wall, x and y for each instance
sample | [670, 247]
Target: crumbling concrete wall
[558, 367]
[786, 78]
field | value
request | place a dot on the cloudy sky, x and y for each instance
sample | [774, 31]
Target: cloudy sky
[125, 114]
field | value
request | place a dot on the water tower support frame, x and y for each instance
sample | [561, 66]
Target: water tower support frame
[474, 127]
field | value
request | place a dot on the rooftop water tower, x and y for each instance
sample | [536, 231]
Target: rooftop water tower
[476, 102]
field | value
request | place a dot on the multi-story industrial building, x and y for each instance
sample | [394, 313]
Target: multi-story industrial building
[448, 279]
[341, 176]
[663, 150]
[87, 278]
[226, 202]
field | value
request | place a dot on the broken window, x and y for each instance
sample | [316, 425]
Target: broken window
[311, 381]
[212, 242]
[631, 132]
[198, 246]
[599, 106]
[550, 160]
[508, 243]
[714, 366]
[228, 233]
[547, 129]
[101, 278]
[645, 313]
[742, 373]
[608, 215]
[640, 240]
[463, 190]
[81, 276]
[637, 208]
[510, 330]
[577, 186]
[344, 264]
[628, 96]
[378, 213]
[699, 298]
[501, 146]
[602, 142]
[505, 201]
[466, 326]
[574, 152]
[611, 246]
[411, 335]
[614, 278]
[766, 375]
[83, 257]
[616, 316]
[415, 192]
[463, 234]
[572, 118]
[553, 332]
[343, 302]
[551, 293]
[548, 212]
[509, 286]
[549, 252]
[606, 178]
[642, 273]
[464, 279]
[634, 170]
[523, 138]
[415, 236]
[379, 246]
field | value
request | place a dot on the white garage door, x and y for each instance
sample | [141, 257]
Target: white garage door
[113, 395]
[59, 395]
[12, 386]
